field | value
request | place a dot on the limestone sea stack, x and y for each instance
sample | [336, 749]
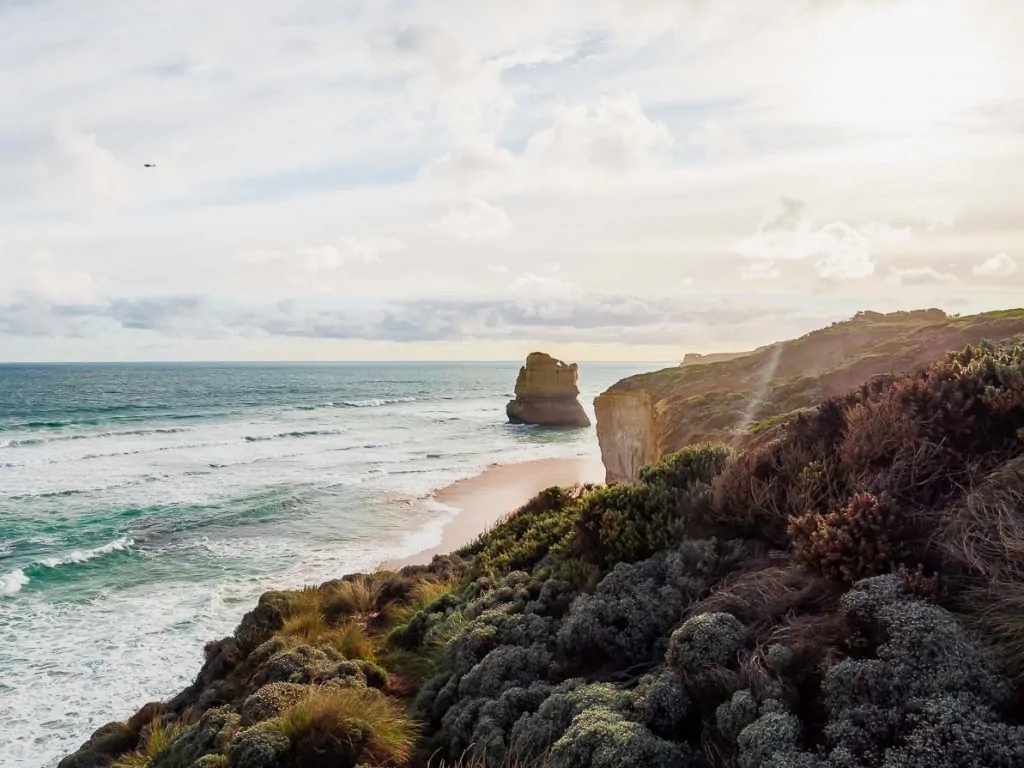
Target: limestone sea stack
[546, 394]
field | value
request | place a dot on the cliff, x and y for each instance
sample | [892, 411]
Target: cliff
[850, 593]
[645, 417]
[546, 394]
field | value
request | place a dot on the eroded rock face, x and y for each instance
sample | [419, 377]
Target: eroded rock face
[546, 394]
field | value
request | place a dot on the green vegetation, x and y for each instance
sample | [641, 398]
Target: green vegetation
[848, 593]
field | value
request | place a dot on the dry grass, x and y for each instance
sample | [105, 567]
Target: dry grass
[998, 610]
[157, 738]
[357, 596]
[473, 759]
[421, 595]
[308, 599]
[310, 628]
[984, 533]
[762, 596]
[351, 640]
[348, 726]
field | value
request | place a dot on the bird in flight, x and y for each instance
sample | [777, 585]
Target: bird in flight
[149, 165]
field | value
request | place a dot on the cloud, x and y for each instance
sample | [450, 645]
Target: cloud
[838, 251]
[575, 314]
[475, 220]
[718, 141]
[498, 269]
[613, 134]
[325, 258]
[1000, 265]
[920, 276]
[82, 175]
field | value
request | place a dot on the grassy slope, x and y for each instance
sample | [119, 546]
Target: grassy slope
[707, 402]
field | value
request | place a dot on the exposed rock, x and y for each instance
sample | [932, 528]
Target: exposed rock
[546, 394]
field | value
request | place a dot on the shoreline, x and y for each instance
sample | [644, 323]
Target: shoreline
[486, 498]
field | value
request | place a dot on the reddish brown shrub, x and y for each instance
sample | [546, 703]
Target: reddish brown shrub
[857, 541]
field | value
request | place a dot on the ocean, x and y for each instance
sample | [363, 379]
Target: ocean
[145, 507]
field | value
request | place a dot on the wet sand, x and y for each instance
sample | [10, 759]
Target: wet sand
[485, 499]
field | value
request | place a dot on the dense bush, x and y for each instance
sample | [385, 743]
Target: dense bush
[853, 543]
[627, 619]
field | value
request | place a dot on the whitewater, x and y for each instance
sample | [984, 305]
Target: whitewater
[144, 508]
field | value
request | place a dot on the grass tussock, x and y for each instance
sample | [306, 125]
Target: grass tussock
[352, 596]
[154, 742]
[348, 726]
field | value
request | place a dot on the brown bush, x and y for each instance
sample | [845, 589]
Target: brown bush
[857, 541]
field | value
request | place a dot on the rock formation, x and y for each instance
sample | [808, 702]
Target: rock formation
[643, 418]
[546, 394]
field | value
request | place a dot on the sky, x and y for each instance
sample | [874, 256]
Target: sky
[475, 179]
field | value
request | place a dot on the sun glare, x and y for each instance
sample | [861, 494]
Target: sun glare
[909, 66]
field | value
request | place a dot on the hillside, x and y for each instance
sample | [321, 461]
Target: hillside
[645, 417]
[849, 594]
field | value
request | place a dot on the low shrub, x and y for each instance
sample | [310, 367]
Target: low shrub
[542, 525]
[858, 541]
[346, 726]
[626, 523]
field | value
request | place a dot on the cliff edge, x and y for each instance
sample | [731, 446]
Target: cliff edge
[643, 418]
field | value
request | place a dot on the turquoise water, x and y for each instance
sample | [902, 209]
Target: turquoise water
[143, 508]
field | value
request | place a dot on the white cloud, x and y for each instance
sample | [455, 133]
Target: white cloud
[613, 134]
[687, 282]
[498, 269]
[325, 258]
[718, 140]
[920, 276]
[839, 251]
[1000, 265]
[475, 220]
[83, 175]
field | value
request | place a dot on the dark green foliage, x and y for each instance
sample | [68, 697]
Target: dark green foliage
[262, 746]
[270, 701]
[627, 619]
[689, 471]
[661, 702]
[626, 523]
[534, 734]
[601, 738]
[212, 733]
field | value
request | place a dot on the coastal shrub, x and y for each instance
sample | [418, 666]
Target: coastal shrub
[212, 733]
[693, 466]
[271, 700]
[709, 639]
[542, 525]
[346, 726]
[627, 619]
[533, 735]
[261, 746]
[625, 523]
[601, 738]
[860, 540]
[661, 702]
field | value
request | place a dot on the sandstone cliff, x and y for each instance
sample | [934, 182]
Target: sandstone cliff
[546, 394]
[645, 417]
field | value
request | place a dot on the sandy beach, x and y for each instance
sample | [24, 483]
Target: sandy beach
[486, 498]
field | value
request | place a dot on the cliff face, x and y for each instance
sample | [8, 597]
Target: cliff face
[645, 417]
[546, 394]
